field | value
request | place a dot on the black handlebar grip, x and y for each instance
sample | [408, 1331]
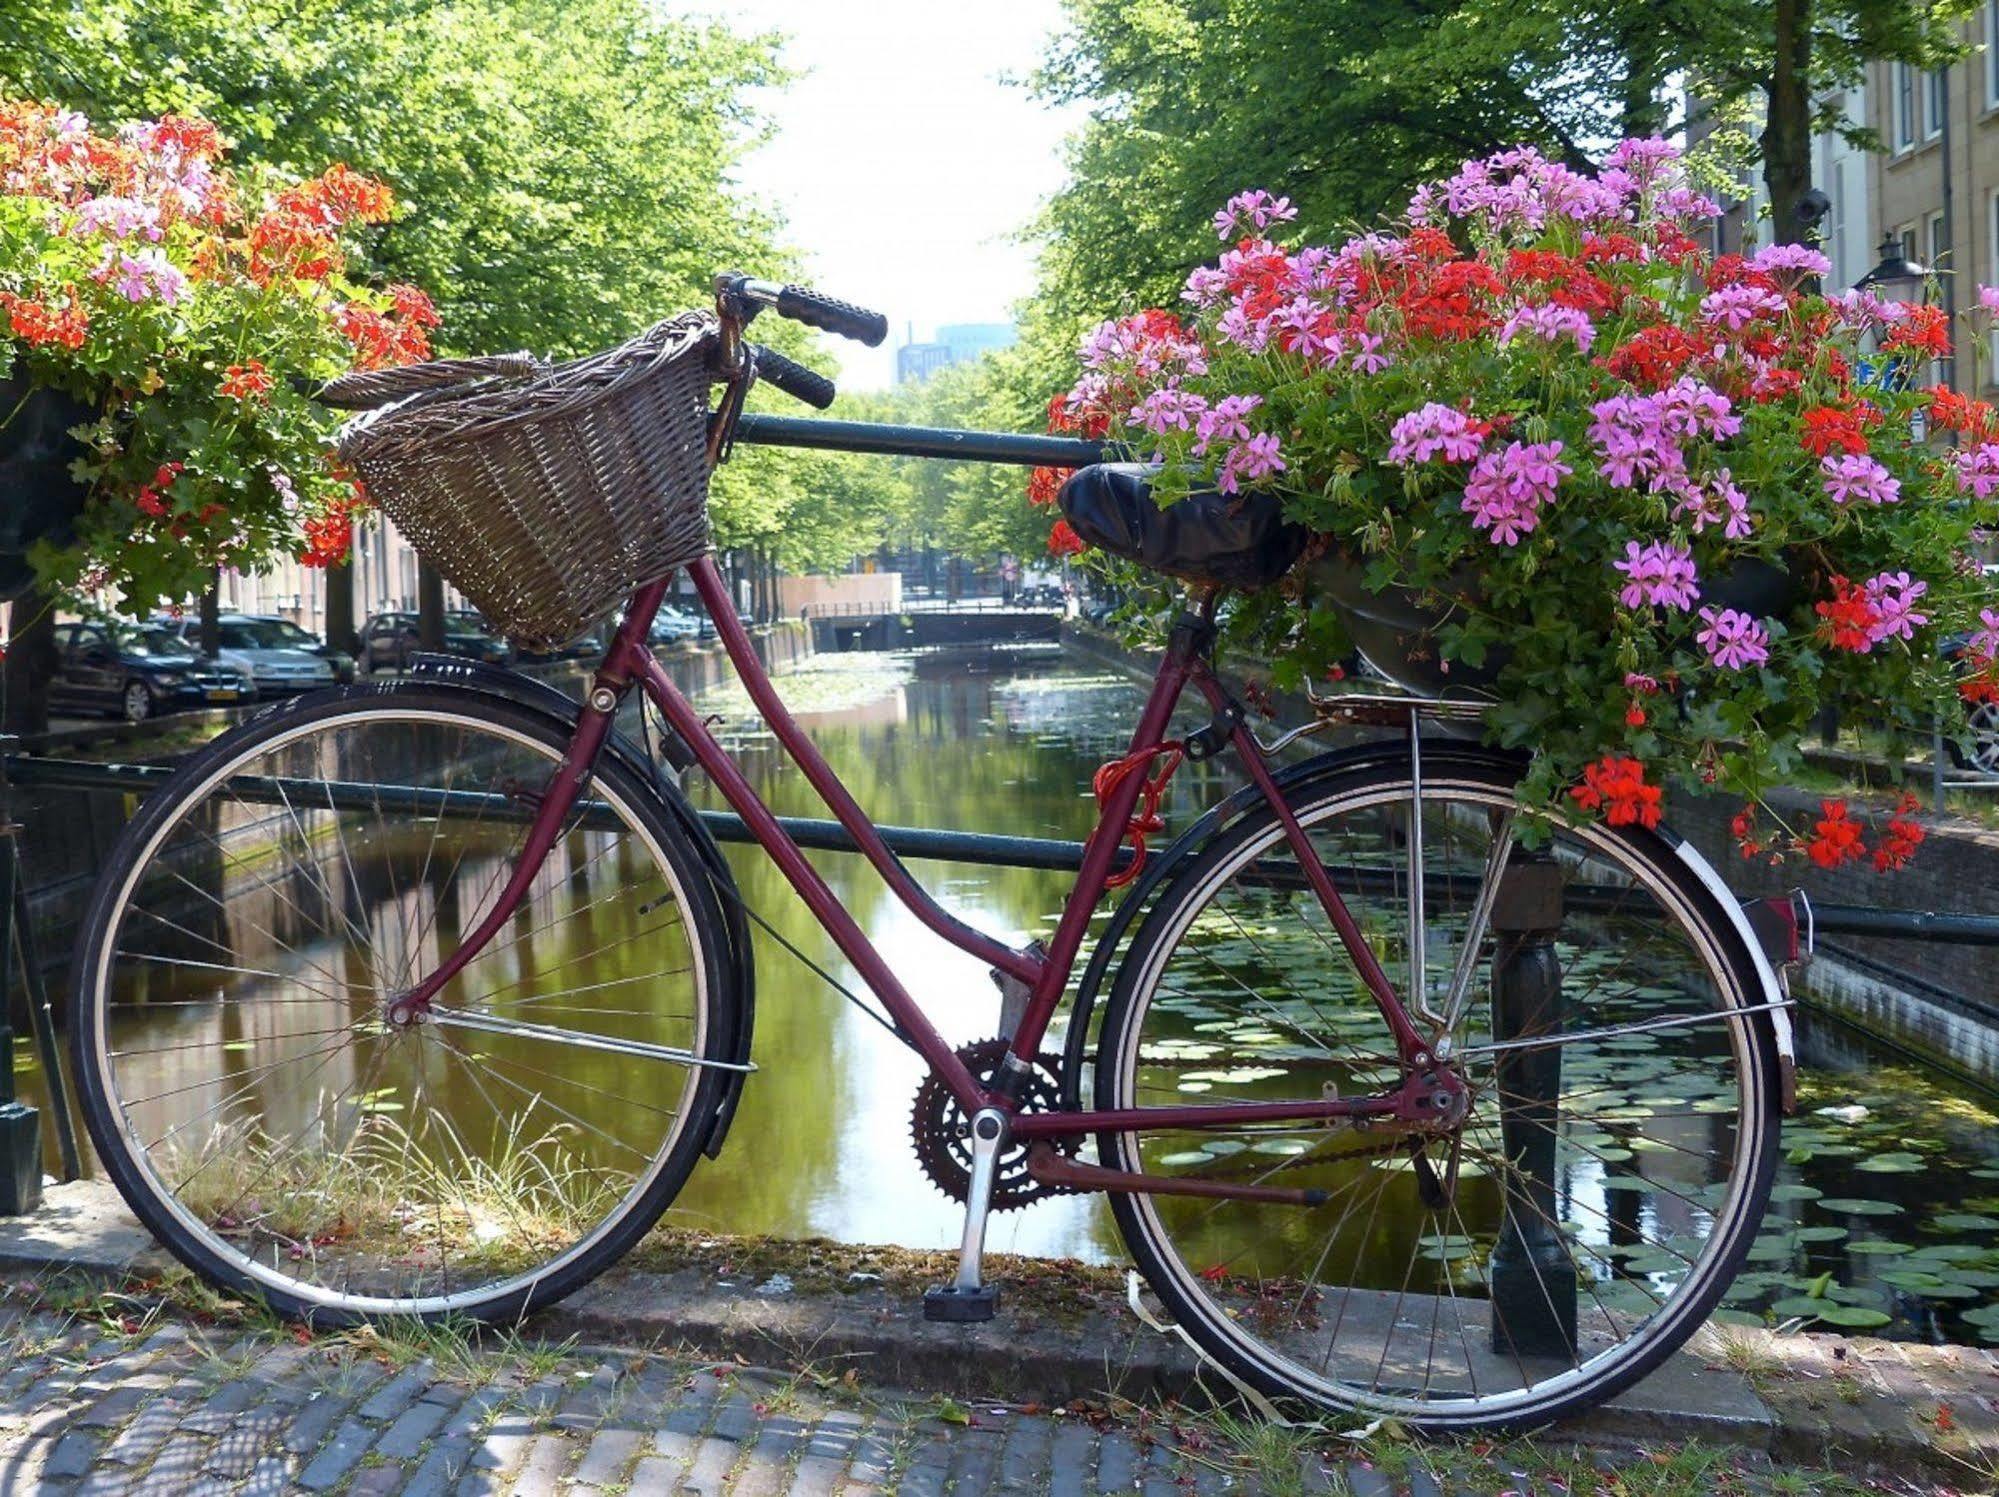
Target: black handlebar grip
[844, 318]
[808, 385]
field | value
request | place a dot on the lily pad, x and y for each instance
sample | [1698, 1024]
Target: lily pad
[1849, 1317]
[1965, 1221]
[1896, 1162]
[1858, 1206]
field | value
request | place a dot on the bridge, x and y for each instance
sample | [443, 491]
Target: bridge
[924, 625]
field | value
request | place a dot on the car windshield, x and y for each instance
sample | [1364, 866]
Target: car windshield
[257, 634]
[149, 642]
[466, 623]
[292, 635]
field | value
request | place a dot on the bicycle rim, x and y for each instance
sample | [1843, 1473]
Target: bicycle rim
[239, 1074]
[1394, 1297]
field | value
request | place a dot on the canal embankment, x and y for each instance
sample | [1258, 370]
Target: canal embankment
[1066, 1337]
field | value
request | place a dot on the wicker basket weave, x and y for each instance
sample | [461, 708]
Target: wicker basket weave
[544, 495]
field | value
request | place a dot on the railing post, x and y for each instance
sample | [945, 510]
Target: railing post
[20, 1124]
[1533, 1278]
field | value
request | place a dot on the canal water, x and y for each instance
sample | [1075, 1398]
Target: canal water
[1886, 1215]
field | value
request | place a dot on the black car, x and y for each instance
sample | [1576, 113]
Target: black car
[133, 672]
[390, 640]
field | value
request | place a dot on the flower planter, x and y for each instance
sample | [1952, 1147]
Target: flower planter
[1395, 630]
[39, 499]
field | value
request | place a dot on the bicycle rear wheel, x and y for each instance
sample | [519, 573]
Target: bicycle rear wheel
[239, 1077]
[1592, 1207]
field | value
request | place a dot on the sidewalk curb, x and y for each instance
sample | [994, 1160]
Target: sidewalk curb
[1811, 1396]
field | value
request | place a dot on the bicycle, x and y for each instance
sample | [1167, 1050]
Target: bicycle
[425, 997]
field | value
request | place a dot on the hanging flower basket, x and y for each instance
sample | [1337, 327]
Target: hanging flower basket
[40, 496]
[174, 307]
[1661, 507]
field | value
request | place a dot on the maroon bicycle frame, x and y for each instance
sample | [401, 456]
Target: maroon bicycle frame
[629, 662]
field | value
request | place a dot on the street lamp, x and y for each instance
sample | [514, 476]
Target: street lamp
[1897, 276]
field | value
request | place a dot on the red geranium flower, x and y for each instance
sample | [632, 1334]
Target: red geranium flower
[1849, 618]
[1827, 429]
[1045, 484]
[1836, 838]
[1617, 787]
[1064, 541]
[1903, 838]
[1922, 330]
[246, 381]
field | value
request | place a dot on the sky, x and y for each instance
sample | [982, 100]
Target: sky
[903, 161]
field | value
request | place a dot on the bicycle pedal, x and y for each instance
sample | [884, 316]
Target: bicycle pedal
[955, 1306]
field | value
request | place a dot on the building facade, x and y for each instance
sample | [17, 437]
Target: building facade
[1935, 187]
[955, 343]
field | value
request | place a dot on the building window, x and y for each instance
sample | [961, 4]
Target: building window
[1992, 54]
[1905, 106]
[1936, 94]
[1992, 269]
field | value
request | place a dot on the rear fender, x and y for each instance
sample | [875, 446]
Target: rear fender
[1165, 864]
[740, 960]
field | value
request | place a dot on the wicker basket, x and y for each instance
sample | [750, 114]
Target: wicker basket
[544, 494]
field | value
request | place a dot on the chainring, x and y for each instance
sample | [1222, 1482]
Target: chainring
[943, 1135]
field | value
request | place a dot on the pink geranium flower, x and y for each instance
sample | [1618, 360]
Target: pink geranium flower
[1733, 640]
[1661, 574]
[1506, 489]
[1856, 475]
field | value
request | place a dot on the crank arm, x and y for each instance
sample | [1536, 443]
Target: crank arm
[1051, 1168]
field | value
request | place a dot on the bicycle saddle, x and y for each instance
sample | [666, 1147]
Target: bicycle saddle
[1240, 540]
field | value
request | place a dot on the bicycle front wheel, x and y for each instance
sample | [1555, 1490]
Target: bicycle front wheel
[1594, 1203]
[244, 1087]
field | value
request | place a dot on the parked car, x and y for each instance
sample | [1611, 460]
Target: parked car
[1040, 595]
[704, 627]
[297, 637]
[275, 664]
[672, 627]
[134, 671]
[391, 640]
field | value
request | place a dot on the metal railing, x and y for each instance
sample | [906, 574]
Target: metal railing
[821, 835]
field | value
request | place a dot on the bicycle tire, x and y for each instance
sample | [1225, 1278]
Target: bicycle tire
[614, 783]
[1181, 1286]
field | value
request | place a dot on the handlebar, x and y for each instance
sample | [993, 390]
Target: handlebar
[835, 316]
[802, 304]
[797, 381]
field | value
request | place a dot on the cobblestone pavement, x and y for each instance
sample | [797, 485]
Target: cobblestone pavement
[102, 1404]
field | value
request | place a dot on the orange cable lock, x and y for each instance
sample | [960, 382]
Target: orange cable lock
[1146, 820]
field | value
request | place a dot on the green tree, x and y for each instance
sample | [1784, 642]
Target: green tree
[1780, 58]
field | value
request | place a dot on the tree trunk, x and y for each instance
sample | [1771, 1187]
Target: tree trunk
[30, 664]
[1787, 130]
[429, 606]
[1643, 101]
[211, 615]
[340, 607]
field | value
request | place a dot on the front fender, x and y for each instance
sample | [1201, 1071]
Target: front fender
[552, 701]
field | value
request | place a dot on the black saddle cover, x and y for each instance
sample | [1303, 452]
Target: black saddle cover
[1240, 541]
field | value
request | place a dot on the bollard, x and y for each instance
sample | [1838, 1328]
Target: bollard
[1532, 1276]
[20, 1125]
